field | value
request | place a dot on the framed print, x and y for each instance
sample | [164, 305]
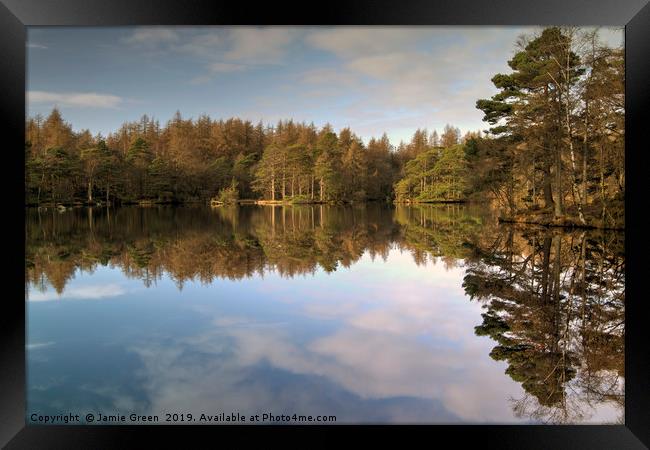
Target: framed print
[370, 218]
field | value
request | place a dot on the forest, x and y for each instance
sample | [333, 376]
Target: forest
[553, 155]
[198, 160]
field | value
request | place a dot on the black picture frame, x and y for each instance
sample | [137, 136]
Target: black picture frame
[16, 15]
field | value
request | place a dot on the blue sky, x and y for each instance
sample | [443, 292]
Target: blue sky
[372, 79]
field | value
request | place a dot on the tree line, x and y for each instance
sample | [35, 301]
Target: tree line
[200, 159]
[195, 160]
[554, 153]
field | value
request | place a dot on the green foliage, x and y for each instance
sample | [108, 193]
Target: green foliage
[327, 168]
[229, 195]
[161, 179]
[302, 198]
[437, 230]
[550, 148]
[197, 160]
[555, 146]
[435, 175]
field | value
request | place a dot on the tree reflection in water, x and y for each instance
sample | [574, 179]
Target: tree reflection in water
[555, 306]
[553, 299]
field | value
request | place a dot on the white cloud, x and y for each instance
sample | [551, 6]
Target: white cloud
[259, 45]
[201, 79]
[75, 99]
[405, 78]
[220, 49]
[37, 345]
[203, 45]
[329, 75]
[89, 292]
[151, 36]
[220, 67]
[350, 42]
[35, 45]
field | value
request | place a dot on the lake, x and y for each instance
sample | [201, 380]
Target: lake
[370, 313]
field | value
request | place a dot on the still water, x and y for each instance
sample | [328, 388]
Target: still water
[373, 314]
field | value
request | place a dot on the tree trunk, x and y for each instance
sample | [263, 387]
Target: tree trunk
[585, 148]
[547, 187]
[602, 182]
[558, 212]
[546, 257]
[574, 183]
[556, 281]
[312, 187]
[510, 197]
[38, 195]
[533, 185]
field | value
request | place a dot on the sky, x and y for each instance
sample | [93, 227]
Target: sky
[381, 340]
[371, 79]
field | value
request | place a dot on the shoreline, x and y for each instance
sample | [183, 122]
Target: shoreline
[550, 224]
[429, 202]
[547, 222]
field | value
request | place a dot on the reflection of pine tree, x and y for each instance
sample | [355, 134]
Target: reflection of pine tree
[554, 302]
[201, 244]
[544, 294]
[432, 231]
